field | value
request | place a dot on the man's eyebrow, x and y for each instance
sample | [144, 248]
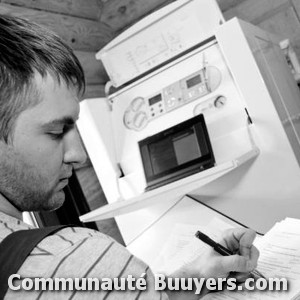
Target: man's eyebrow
[59, 122]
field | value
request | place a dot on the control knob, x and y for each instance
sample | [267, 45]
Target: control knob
[220, 101]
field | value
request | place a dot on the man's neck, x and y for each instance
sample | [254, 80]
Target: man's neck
[7, 208]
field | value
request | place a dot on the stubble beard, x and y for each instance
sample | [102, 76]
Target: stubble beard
[26, 188]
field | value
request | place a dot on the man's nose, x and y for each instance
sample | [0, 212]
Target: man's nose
[74, 150]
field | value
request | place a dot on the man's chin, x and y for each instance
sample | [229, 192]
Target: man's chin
[56, 201]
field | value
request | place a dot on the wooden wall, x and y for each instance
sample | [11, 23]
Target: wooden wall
[88, 25]
[77, 22]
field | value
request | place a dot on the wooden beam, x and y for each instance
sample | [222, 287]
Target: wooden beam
[285, 24]
[120, 14]
[255, 11]
[88, 9]
[79, 33]
[93, 69]
[227, 4]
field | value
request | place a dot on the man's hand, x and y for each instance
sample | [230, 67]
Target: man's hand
[211, 264]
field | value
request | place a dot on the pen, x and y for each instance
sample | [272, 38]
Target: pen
[221, 249]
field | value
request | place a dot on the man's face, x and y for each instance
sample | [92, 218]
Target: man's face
[36, 164]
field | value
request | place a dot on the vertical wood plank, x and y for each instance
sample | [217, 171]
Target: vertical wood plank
[89, 9]
[93, 69]
[94, 91]
[95, 197]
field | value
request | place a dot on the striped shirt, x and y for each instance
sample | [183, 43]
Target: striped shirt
[79, 253]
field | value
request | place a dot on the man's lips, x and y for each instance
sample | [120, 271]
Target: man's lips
[64, 180]
[62, 183]
[65, 176]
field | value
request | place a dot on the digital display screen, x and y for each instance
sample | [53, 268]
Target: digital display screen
[176, 152]
[155, 99]
[182, 143]
[173, 151]
[162, 156]
[193, 81]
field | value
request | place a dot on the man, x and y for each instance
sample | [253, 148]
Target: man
[40, 89]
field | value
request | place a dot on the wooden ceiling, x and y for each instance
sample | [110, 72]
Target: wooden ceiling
[88, 25]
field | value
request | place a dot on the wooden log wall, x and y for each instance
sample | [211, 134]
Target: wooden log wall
[77, 22]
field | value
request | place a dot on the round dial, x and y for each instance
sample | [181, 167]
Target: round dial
[135, 116]
[220, 101]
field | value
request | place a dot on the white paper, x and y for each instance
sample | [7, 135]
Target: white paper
[279, 258]
[183, 247]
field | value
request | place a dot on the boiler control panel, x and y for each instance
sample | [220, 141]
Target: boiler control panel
[142, 110]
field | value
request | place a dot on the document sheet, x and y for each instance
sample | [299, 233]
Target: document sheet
[182, 246]
[279, 256]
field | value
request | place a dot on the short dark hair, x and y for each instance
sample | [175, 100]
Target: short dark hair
[27, 48]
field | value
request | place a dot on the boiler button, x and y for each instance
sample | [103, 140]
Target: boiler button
[191, 94]
[127, 119]
[168, 92]
[137, 103]
[220, 101]
[140, 120]
[171, 102]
